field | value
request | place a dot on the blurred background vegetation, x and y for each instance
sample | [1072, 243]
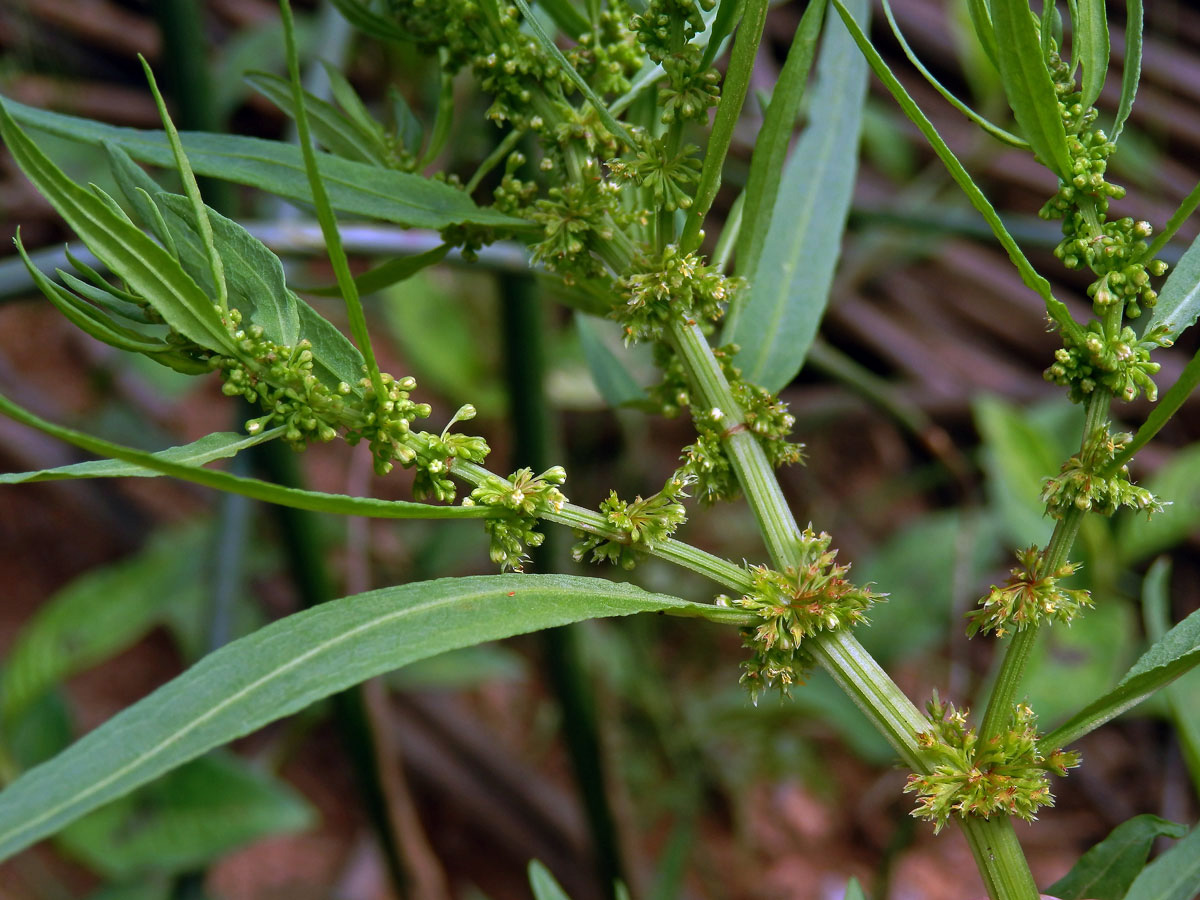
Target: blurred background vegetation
[928, 427]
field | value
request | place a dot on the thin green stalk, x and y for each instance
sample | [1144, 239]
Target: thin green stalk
[525, 369]
[999, 857]
[329, 229]
[505, 147]
[733, 95]
[1016, 654]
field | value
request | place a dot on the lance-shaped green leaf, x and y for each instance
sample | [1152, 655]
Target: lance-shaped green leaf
[289, 664]
[543, 884]
[1173, 876]
[1169, 404]
[1027, 84]
[333, 131]
[1176, 652]
[771, 145]
[254, 488]
[185, 819]
[1091, 37]
[776, 323]
[1131, 72]
[1107, 870]
[365, 19]
[277, 168]
[1178, 304]
[148, 269]
[1035, 282]
[254, 275]
[219, 445]
[981, 21]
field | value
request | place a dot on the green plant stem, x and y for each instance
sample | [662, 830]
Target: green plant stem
[529, 408]
[999, 857]
[506, 146]
[1016, 654]
[733, 95]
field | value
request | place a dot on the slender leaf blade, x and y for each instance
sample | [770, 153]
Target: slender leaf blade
[543, 884]
[1131, 72]
[1176, 652]
[770, 148]
[287, 665]
[219, 445]
[612, 379]
[1027, 84]
[1091, 33]
[1173, 876]
[1106, 871]
[147, 268]
[777, 322]
[277, 168]
[1178, 304]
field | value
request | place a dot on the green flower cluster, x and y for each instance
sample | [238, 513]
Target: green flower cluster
[526, 496]
[577, 220]
[795, 604]
[665, 30]
[669, 175]
[1083, 482]
[640, 523]
[1118, 362]
[669, 285]
[608, 56]
[1030, 595]
[1007, 776]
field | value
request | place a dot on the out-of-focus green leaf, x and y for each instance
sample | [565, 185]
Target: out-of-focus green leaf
[612, 379]
[776, 323]
[40, 730]
[1107, 870]
[1176, 652]
[1027, 84]
[185, 819]
[277, 168]
[1178, 483]
[282, 668]
[387, 274]
[543, 884]
[362, 17]
[1173, 876]
[98, 615]
[854, 890]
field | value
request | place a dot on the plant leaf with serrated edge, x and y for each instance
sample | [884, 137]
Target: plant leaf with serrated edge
[286, 666]
[186, 819]
[1091, 34]
[776, 323]
[277, 168]
[148, 269]
[1027, 84]
[332, 130]
[1175, 653]
[218, 445]
[1107, 870]
[254, 275]
[1035, 282]
[1173, 876]
[316, 501]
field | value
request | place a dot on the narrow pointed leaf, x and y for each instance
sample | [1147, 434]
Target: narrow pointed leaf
[277, 168]
[219, 445]
[355, 110]
[771, 146]
[566, 17]
[1176, 652]
[254, 275]
[147, 268]
[254, 488]
[362, 17]
[1035, 282]
[1178, 304]
[1131, 72]
[1091, 33]
[1107, 870]
[1027, 84]
[981, 20]
[609, 374]
[543, 884]
[1173, 876]
[286, 666]
[776, 323]
[331, 129]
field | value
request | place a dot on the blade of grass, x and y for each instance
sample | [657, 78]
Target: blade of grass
[329, 229]
[1035, 282]
[1131, 72]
